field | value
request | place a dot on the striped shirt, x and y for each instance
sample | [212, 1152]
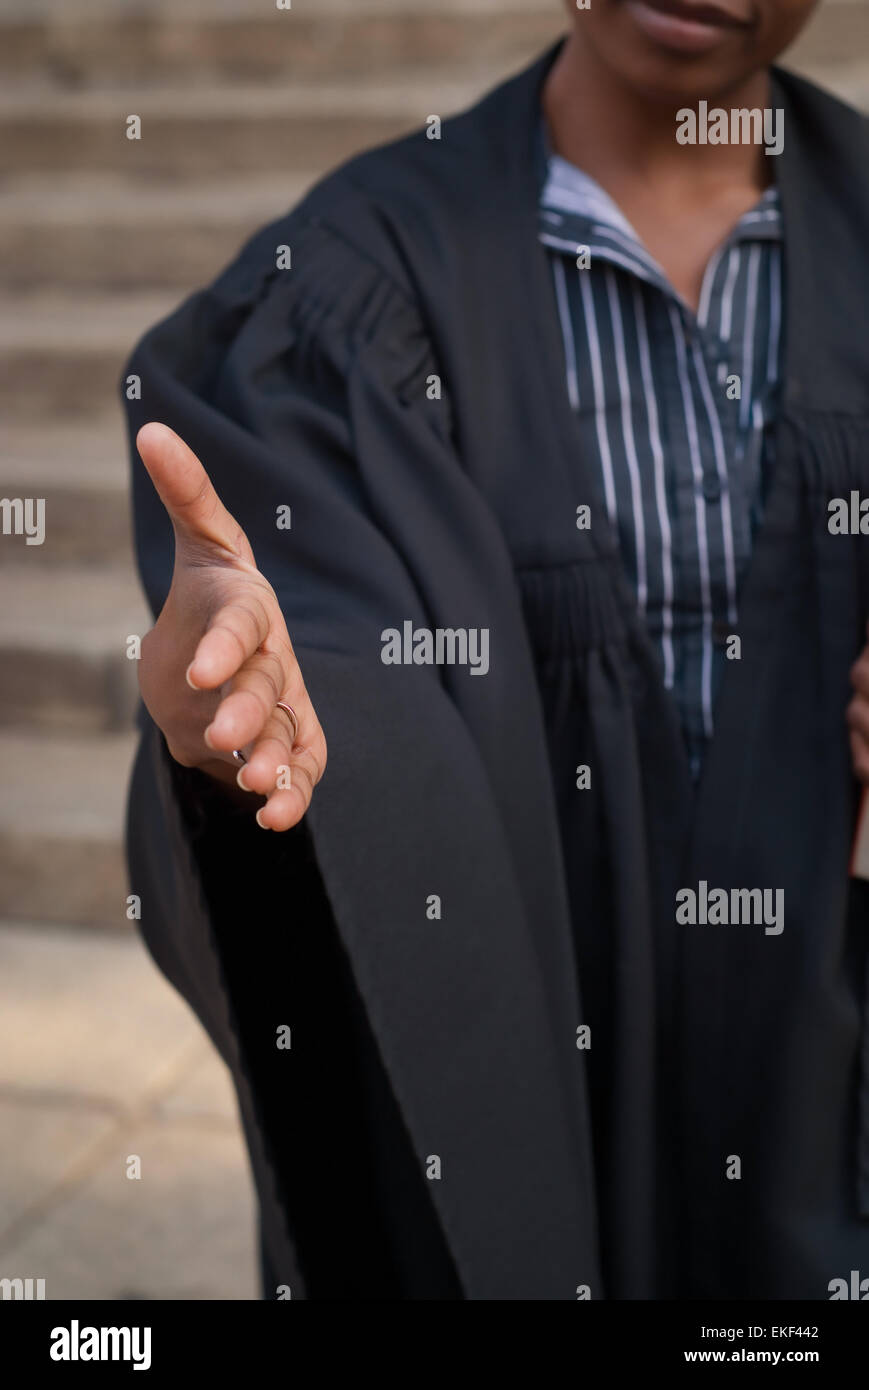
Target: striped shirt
[674, 411]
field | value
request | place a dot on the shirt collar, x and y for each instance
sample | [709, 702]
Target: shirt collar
[575, 210]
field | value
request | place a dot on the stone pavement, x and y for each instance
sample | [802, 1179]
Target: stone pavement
[101, 1060]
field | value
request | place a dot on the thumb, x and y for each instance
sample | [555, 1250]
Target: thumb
[186, 491]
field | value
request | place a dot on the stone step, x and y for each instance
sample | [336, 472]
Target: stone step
[87, 42]
[217, 132]
[61, 827]
[848, 81]
[79, 43]
[63, 643]
[281, 134]
[108, 232]
[61, 354]
[838, 33]
[81, 472]
[92, 455]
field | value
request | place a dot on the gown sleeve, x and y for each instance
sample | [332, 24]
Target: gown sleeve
[305, 379]
[299, 363]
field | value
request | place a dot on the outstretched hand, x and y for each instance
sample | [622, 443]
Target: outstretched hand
[219, 657]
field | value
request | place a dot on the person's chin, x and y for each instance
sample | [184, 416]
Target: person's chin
[681, 50]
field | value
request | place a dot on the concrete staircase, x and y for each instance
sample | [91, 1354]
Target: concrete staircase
[242, 106]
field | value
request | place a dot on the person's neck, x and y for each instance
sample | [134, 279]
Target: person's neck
[618, 135]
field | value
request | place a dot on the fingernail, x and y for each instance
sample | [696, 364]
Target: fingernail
[207, 736]
[187, 678]
[241, 782]
[260, 823]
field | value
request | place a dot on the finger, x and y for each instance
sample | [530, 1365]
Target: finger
[860, 756]
[290, 800]
[245, 710]
[860, 673]
[186, 491]
[269, 760]
[275, 770]
[857, 716]
[234, 634]
[283, 810]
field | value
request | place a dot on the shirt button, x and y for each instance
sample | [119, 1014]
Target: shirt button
[711, 489]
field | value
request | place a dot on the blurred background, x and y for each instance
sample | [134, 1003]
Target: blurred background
[242, 106]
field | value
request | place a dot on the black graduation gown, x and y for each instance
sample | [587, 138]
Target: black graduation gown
[456, 1038]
